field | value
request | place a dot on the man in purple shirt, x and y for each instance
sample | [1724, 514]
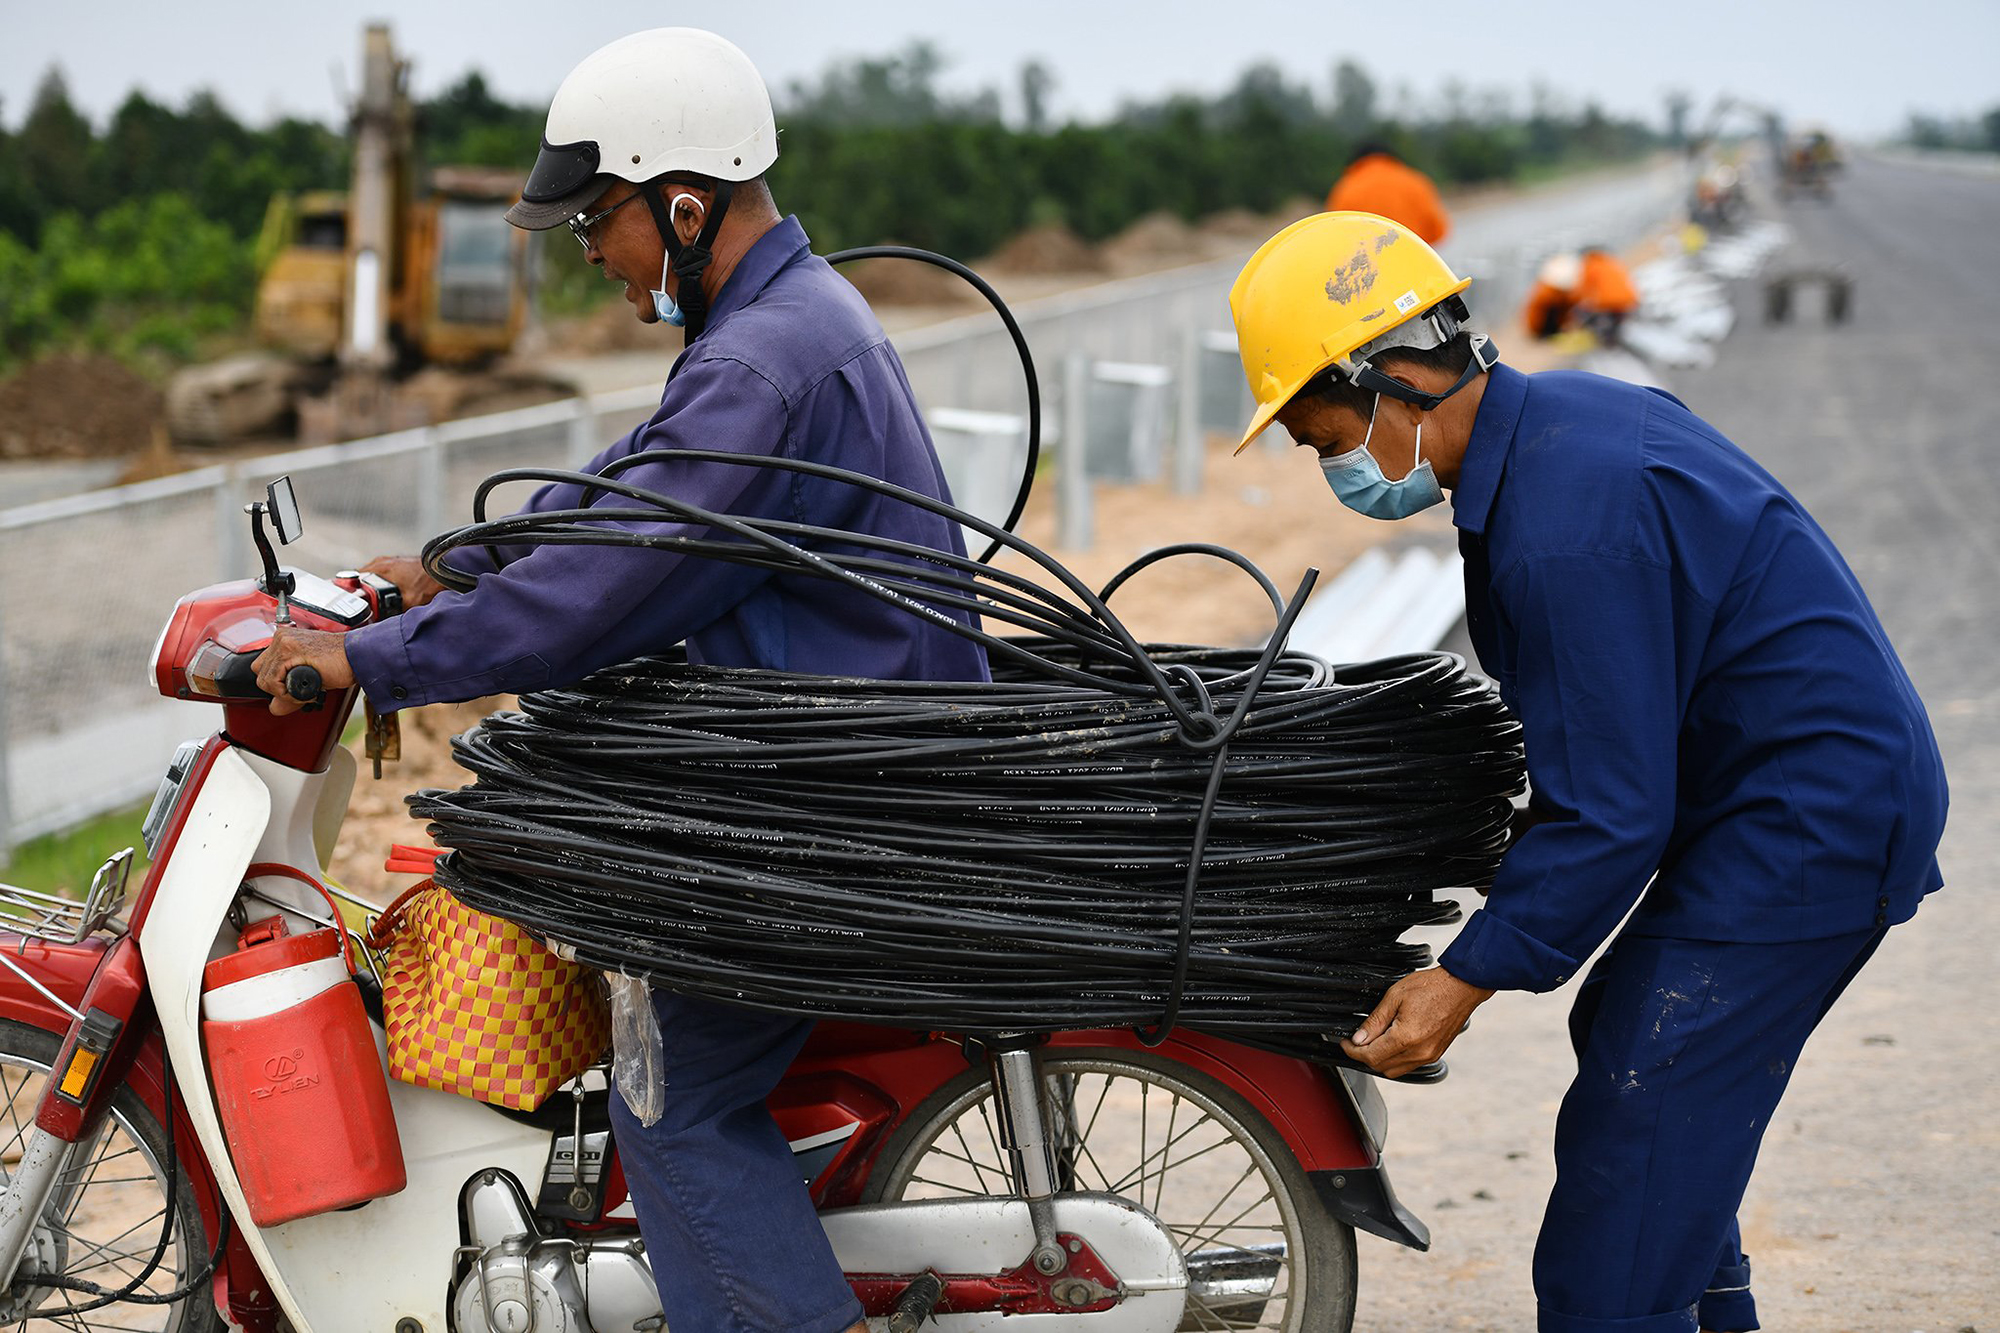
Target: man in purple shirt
[783, 359]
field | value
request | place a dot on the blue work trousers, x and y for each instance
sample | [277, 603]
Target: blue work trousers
[729, 1227]
[1683, 1049]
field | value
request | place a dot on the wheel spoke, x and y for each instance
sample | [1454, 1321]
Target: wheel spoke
[1102, 1092]
[986, 1113]
[106, 1256]
[1206, 1317]
[939, 1184]
[1248, 1171]
[1141, 1171]
[1212, 1238]
[1103, 1176]
[1173, 1111]
[14, 1111]
[121, 1235]
[97, 1163]
[977, 1170]
[1145, 1089]
[1185, 1229]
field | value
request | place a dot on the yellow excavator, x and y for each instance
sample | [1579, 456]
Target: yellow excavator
[404, 270]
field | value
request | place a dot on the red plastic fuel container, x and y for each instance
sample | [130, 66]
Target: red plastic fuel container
[298, 1078]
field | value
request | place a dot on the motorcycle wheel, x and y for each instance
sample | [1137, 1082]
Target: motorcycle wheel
[111, 1224]
[1262, 1250]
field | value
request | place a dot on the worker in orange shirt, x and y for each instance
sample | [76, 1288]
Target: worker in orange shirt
[1377, 181]
[1592, 290]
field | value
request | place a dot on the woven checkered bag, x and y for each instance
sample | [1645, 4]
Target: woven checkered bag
[477, 1006]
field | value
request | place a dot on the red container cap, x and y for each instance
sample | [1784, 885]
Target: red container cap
[272, 956]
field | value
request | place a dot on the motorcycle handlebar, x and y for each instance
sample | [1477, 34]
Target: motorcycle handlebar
[303, 683]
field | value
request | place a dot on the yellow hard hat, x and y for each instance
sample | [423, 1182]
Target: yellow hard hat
[1322, 289]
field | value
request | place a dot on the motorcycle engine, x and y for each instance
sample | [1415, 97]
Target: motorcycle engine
[516, 1280]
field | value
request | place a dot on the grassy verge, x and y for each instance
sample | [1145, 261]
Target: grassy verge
[64, 862]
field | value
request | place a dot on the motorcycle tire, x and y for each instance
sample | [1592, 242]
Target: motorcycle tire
[114, 1248]
[932, 1155]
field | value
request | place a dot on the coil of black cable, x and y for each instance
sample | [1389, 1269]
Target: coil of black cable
[988, 857]
[1104, 834]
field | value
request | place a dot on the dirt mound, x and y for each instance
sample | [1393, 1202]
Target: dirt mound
[71, 406]
[1291, 210]
[1047, 249]
[904, 282]
[1238, 224]
[1157, 240]
[612, 327]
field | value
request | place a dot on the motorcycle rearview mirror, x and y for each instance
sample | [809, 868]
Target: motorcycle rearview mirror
[281, 506]
[284, 506]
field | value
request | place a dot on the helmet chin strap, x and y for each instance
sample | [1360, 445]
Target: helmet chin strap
[689, 261]
[1484, 356]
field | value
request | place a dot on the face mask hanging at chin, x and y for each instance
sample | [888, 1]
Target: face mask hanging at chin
[668, 309]
[687, 262]
[1356, 478]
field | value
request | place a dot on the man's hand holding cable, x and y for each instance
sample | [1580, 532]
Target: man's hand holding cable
[407, 572]
[1416, 1022]
[323, 650]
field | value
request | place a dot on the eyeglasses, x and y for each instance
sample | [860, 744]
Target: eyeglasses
[581, 226]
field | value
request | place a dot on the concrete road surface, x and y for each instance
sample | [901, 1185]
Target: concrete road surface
[1876, 1204]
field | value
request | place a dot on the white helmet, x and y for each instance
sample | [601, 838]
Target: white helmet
[669, 99]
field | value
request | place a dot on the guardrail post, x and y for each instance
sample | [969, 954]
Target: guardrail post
[232, 532]
[430, 485]
[1073, 498]
[1189, 437]
[583, 445]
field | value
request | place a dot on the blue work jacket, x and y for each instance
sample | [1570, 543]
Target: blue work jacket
[791, 364]
[1709, 702]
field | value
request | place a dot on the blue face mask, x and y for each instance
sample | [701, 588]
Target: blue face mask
[669, 310]
[1357, 479]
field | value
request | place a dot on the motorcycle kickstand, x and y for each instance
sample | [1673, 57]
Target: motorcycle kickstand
[1017, 1093]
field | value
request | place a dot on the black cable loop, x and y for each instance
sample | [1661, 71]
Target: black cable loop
[482, 531]
[1020, 341]
[1222, 553]
[1184, 936]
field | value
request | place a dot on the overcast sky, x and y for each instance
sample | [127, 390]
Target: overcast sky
[1859, 68]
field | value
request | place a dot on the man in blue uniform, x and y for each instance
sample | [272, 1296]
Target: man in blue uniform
[654, 156]
[1720, 740]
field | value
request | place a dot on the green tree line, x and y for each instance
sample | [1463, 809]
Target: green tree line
[137, 237]
[1979, 134]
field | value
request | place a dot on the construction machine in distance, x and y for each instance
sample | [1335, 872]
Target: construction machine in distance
[410, 269]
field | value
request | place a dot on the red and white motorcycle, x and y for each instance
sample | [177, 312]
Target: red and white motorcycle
[187, 1067]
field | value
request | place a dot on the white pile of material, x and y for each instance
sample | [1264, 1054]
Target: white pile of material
[1684, 307]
